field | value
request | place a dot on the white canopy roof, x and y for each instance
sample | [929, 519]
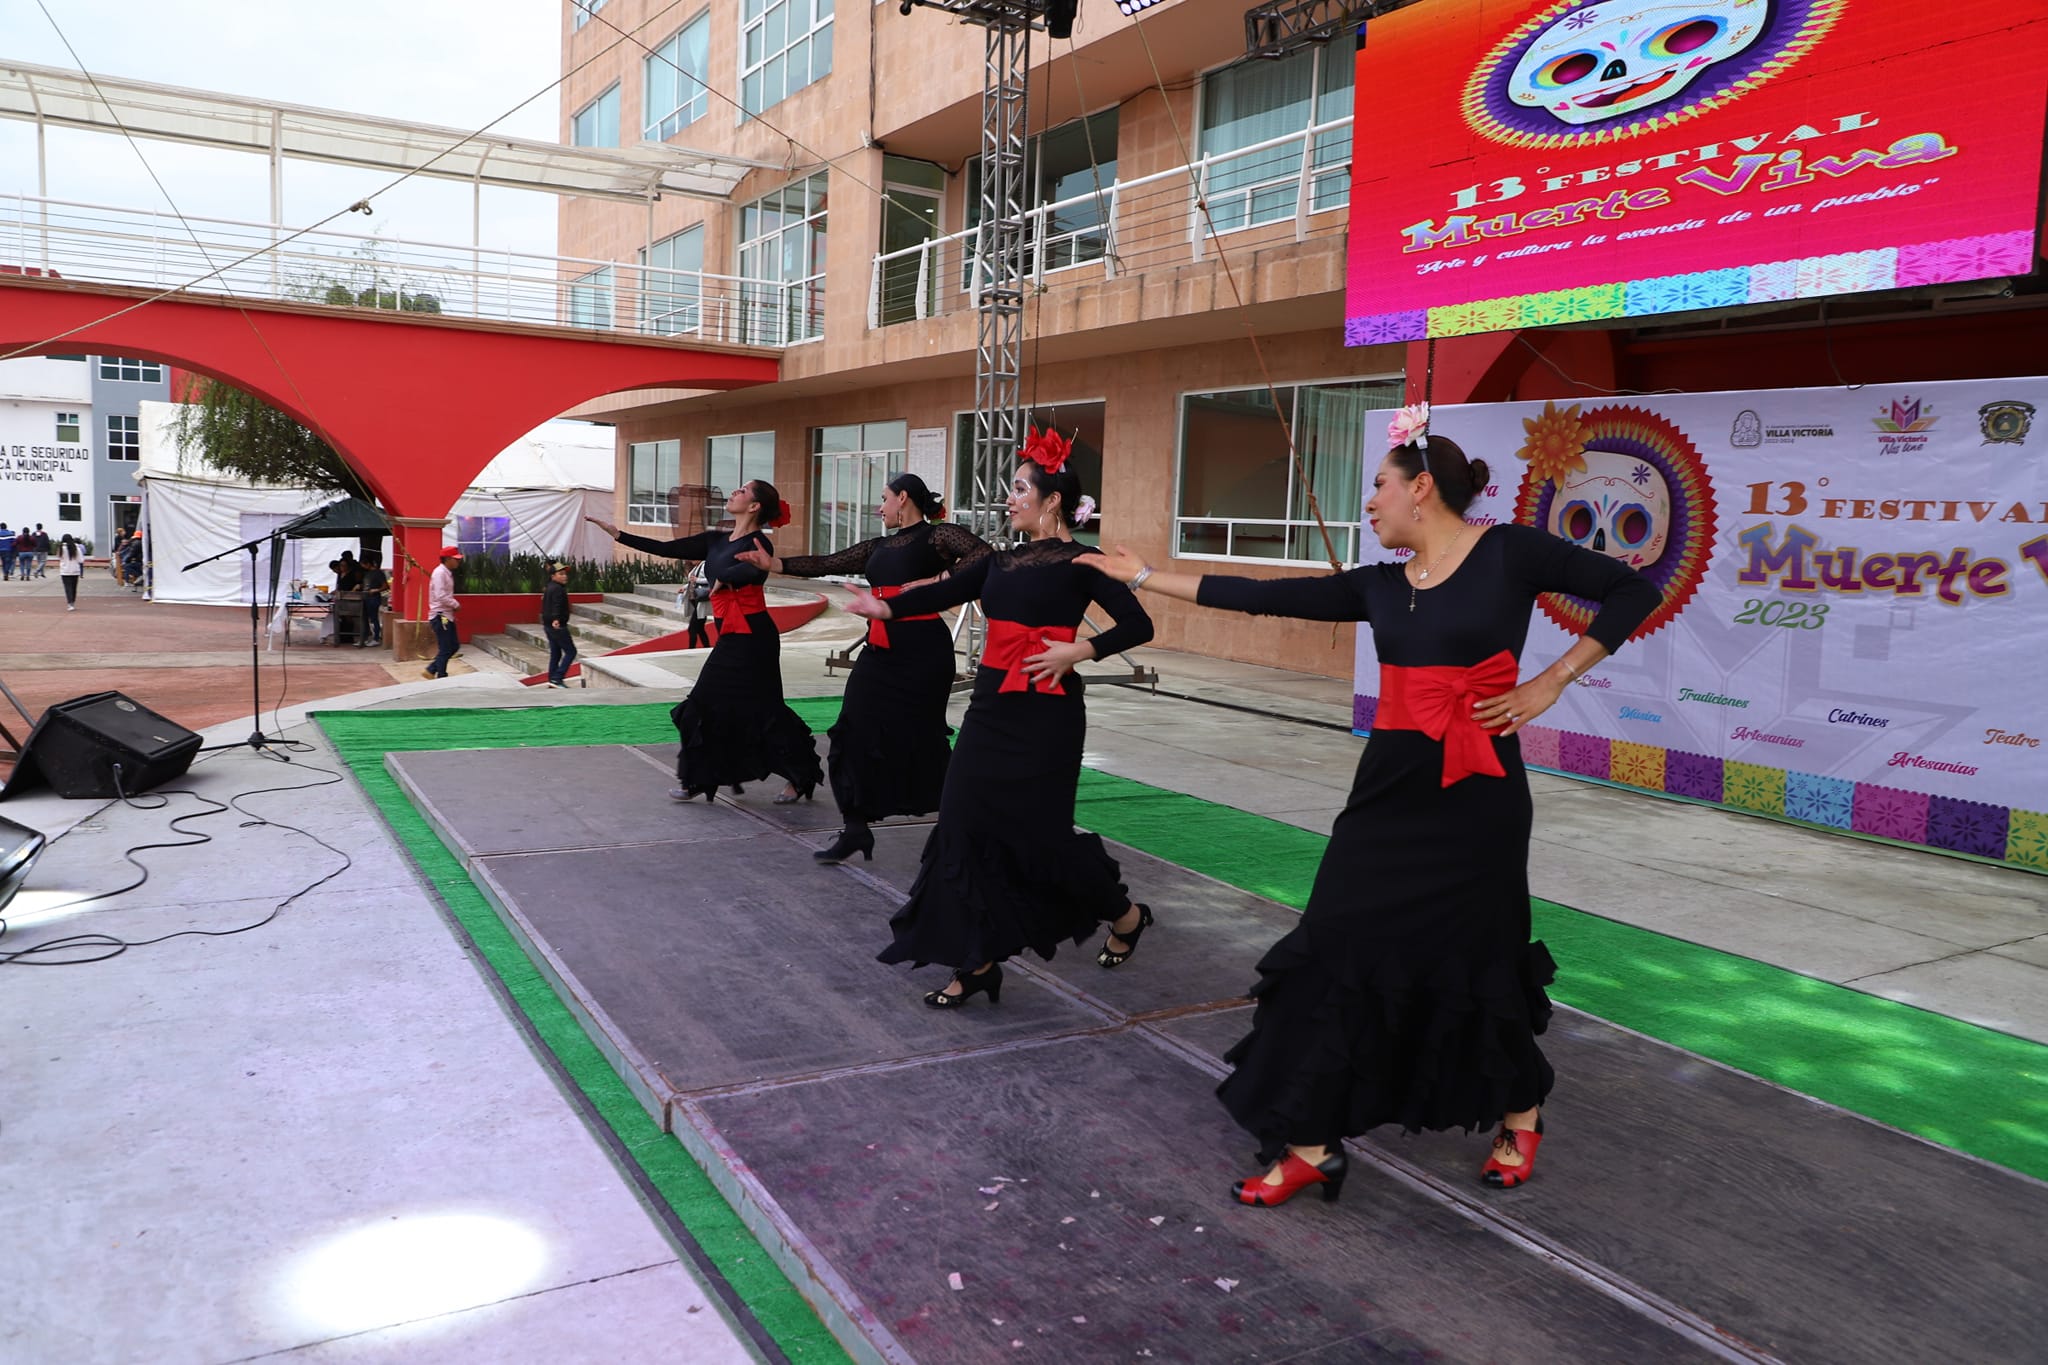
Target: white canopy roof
[67, 99]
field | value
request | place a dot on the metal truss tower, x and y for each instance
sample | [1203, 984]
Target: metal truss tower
[998, 261]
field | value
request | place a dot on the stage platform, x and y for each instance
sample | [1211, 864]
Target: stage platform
[1047, 1179]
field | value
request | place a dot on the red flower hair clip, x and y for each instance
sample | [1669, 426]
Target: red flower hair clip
[781, 517]
[1047, 449]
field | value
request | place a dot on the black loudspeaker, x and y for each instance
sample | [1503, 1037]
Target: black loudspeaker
[78, 745]
[19, 847]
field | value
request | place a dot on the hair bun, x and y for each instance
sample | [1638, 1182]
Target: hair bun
[1480, 473]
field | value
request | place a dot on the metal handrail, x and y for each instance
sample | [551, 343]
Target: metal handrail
[112, 244]
[1132, 221]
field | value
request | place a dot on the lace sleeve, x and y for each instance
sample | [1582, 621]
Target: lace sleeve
[850, 561]
[957, 545]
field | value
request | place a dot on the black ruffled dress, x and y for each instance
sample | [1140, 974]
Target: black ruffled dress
[734, 725]
[889, 747]
[1410, 992]
[1004, 868]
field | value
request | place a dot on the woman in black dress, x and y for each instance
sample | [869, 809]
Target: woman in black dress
[1004, 868]
[889, 746]
[1410, 992]
[734, 725]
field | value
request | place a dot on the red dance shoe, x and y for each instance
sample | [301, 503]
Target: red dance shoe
[1524, 1141]
[1296, 1175]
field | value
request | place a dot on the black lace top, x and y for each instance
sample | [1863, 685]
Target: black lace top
[719, 551]
[921, 551]
[1038, 584]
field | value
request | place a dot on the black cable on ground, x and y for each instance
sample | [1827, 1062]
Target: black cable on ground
[76, 949]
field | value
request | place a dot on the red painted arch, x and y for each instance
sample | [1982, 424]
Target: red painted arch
[417, 404]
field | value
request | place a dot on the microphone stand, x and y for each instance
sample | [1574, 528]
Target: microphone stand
[257, 740]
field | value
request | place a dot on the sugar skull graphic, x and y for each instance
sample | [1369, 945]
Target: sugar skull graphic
[1617, 505]
[1577, 72]
[1621, 481]
[1614, 57]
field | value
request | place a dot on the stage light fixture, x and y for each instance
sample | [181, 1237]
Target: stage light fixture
[1130, 8]
[1059, 18]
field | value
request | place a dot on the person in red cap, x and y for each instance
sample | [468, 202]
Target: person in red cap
[441, 608]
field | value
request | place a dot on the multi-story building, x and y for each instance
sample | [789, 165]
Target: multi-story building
[48, 428]
[851, 251]
[120, 386]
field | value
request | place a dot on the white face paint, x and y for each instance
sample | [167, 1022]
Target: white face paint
[1617, 56]
[1620, 506]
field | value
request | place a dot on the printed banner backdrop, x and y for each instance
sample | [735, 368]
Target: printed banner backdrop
[1568, 160]
[1854, 585]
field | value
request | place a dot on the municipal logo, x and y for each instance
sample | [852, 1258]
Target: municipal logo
[2005, 424]
[1905, 415]
[1748, 431]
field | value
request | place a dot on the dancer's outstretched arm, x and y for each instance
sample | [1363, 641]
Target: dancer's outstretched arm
[1330, 597]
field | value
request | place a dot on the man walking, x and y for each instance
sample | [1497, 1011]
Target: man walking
[441, 609]
[7, 552]
[42, 552]
[554, 619]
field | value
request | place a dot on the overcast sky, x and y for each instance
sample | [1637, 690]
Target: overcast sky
[457, 63]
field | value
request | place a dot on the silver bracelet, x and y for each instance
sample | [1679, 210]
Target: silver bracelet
[1139, 581]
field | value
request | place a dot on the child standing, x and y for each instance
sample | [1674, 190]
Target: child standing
[554, 619]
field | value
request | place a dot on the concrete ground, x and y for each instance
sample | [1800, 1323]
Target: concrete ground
[189, 663]
[325, 1138]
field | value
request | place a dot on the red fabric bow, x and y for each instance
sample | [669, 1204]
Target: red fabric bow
[1047, 449]
[730, 607]
[1010, 643]
[878, 631]
[1438, 702]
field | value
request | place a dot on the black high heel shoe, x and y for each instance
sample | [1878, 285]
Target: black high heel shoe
[847, 844]
[1110, 958]
[972, 984]
[790, 798]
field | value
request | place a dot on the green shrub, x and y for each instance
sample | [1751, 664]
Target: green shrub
[529, 573]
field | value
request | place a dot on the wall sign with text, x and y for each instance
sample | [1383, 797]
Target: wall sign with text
[1566, 161]
[1855, 589]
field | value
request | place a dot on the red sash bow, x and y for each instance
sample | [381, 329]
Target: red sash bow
[1010, 643]
[730, 607]
[878, 631]
[1438, 702]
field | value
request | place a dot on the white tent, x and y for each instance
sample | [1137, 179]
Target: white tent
[531, 498]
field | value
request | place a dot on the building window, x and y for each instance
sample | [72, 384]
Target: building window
[490, 537]
[590, 299]
[678, 92]
[654, 471]
[784, 46]
[124, 438]
[67, 427]
[782, 264]
[596, 124]
[134, 371]
[851, 466]
[71, 507]
[985, 512]
[1258, 100]
[735, 461]
[1076, 160]
[910, 219]
[580, 12]
[673, 283]
[1240, 496]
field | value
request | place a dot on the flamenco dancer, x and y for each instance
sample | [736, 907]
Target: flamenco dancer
[889, 747]
[734, 725]
[1004, 868]
[1410, 992]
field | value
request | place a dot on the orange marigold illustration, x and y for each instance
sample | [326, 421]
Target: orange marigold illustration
[1556, 444]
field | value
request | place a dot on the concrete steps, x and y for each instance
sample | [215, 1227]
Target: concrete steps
[621, 619]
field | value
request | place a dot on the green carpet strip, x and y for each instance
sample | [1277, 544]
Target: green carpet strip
[1967, 1087]
[363, 738]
